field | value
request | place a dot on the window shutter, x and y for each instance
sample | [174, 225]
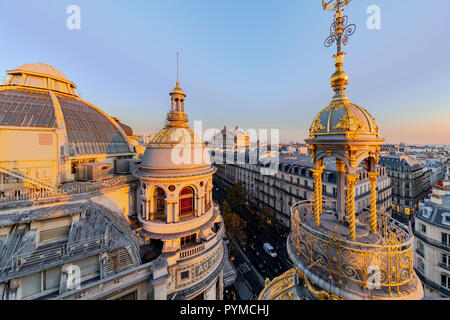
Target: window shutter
[54, 229]
[31, 285]
[119, 260]
[89, 267]
[52, 278]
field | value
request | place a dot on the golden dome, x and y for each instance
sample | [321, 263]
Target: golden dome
[177, 90]
[342, 116]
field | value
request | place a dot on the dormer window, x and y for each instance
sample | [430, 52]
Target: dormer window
[446, 218]
[426, 212]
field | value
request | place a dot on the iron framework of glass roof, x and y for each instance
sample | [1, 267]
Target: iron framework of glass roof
[89, 131]
[20, 108]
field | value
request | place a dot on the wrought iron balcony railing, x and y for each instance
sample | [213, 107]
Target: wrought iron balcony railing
[342, 260]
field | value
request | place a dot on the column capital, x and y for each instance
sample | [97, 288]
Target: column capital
[373, 175]
[318, 171]
[352, 178]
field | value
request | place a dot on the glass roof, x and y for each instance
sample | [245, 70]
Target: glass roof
[89, 131]
[20, 108]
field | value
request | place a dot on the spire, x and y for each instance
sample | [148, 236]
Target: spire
[340, 31]
[177, 117]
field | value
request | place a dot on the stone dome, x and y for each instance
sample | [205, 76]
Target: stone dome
[176, 148]
[44, 69]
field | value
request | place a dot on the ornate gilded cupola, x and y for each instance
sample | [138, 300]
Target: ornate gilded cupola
[340, 250]
[343, 130]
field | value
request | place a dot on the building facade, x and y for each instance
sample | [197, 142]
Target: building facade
[75, 223]
[294, 182]
[432, 243]
[411, 182]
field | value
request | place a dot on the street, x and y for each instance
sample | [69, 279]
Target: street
[254, 265]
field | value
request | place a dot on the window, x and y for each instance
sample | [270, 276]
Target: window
[423, 228]
[445, 239]
[445, 260]
[184, 275]
[186, 241]
[38, 283]
[119, 260]
[54, 229]
[420, 248]
[89, 268]
[446, 219]
[186, 202]
[420, 265]
[160, 198]
[445, 281]
[129, 296]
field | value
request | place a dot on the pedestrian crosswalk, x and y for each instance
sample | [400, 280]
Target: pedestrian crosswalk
[244, 268]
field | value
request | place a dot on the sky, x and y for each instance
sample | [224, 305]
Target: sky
[253, 64]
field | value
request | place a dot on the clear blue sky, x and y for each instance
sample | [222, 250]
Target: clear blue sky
[256, 64]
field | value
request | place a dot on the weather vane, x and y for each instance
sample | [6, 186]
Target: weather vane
[340, 30]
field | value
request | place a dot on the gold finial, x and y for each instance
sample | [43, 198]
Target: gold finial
[339, 32]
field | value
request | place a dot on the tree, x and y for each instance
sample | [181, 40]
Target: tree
[234, 224]
[237, 195]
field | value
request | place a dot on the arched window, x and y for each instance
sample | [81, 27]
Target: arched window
[160, 202]
[187, 203]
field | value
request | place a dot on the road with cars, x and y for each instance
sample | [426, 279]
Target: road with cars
[253, 263]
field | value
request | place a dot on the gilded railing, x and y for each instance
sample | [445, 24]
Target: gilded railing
[384, 265]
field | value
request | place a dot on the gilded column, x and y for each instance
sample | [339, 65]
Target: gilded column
[351, 182]
[317, 174]
[373, 201]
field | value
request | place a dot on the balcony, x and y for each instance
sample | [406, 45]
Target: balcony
[327, 253]
[195, 249]
[432, 242]
[444, 266]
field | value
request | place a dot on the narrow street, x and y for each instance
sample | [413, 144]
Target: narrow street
[254, 265]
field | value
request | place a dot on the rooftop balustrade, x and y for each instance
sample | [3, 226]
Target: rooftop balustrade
[383, 259]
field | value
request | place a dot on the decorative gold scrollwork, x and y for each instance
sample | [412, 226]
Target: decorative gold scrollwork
[349, 123]
[316, 127]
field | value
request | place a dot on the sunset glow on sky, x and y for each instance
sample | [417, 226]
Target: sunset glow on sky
[252, 64]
